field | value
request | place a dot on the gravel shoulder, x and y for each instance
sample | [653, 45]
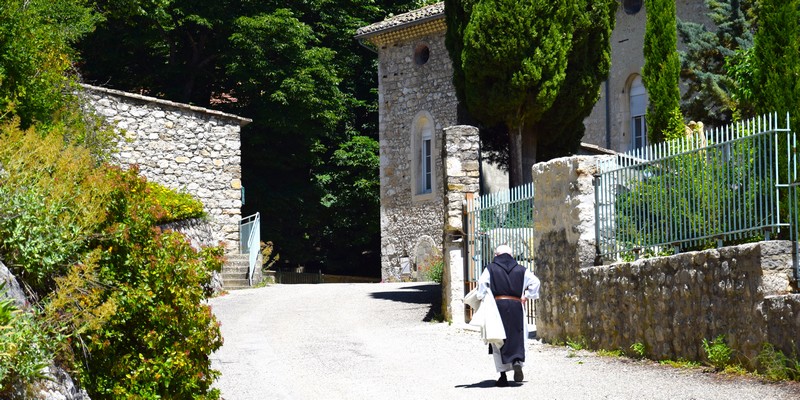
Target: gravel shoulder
[360, 341]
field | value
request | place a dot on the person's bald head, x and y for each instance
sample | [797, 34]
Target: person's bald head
[503, 249]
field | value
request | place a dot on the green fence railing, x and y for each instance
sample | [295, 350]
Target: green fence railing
[731, 185]
[493, 219]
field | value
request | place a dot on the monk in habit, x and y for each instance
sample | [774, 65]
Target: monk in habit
[511, 285]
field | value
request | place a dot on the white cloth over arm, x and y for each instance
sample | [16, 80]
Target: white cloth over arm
[487, 318]
[532, 284]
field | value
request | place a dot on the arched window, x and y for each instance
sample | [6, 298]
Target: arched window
[638, 104]
[423, 154]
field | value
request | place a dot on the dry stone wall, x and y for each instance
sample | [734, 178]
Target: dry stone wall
[670, 304]
[183, 147]
[411, 225]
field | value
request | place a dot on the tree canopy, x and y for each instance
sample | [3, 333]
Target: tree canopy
[292, 67]
[775, 84]
[704, 64]
[36, 38]
[514, 60]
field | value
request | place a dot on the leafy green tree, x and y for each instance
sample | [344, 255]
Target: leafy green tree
[514, 61]
[354, 164]
[705, 65]
[776, 58]
[293, 68]
[587, 67]
[36, 55]
[661, 72]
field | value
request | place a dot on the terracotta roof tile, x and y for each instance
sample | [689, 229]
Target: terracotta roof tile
[420, 15]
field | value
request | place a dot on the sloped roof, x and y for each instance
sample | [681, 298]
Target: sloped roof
[414, 23]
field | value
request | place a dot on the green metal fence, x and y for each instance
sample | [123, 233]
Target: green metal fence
[499, 218]
[732, 185]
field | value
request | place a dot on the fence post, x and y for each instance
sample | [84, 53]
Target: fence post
[461, 176]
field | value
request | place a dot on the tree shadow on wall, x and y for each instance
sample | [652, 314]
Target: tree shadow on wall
[429, 293]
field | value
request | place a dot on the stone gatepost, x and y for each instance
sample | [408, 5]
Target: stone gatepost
[461, 176]
[564, 239]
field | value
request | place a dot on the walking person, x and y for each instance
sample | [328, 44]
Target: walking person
[511, 285]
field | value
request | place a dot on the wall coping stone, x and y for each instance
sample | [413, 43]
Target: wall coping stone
[219, 114]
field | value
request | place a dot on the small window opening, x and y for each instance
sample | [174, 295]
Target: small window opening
[421, 54]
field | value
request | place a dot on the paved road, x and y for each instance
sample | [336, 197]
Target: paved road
[375, 341]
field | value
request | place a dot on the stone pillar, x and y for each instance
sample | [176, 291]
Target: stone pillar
[564, 239]
[461, 176]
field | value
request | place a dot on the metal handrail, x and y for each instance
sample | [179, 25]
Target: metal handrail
[250, 241]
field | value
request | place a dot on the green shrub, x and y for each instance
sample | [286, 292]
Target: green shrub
[433, 269]
[123, 301]
[718, 352]
[639, 349]
[776, 366]
[698, 194]
[157, 343]
[173, 206]
[24, 348]
[53, 202]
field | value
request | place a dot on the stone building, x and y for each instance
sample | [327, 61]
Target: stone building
[186, 148]
[617, 120]
[417, 101]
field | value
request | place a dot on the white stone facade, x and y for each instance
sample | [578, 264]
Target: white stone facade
[189, 149]
[416, 98]
[410, 94]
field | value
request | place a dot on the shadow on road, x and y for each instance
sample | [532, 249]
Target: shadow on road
[485, 384]
[419, 294]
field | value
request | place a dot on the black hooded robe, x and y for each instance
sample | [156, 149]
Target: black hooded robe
[506, 278]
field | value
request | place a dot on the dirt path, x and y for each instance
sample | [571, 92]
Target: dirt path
[372, 341]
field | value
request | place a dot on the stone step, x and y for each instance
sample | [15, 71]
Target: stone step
[232, 284]
[237, 265]
[237, 270]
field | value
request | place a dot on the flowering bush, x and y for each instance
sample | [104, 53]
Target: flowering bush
[173, 206]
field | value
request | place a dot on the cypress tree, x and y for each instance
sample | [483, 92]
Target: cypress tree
[661, 72]
[533, 66]
[776, 58]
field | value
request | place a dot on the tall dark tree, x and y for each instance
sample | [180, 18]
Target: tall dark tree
[661, 72]
[515, 60]
[708, 97]
[294, 68]
[776, 58]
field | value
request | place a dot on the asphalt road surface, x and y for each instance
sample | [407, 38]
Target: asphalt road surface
[377, 341]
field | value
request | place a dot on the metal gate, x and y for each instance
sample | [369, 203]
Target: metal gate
[499, 218]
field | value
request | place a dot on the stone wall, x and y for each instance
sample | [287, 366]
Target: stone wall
[461, 178]
[670, 304]
[183, 147]
[411, 224]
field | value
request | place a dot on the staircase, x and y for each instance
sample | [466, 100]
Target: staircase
[234, 272]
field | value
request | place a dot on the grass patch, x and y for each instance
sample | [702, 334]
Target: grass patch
[680, 363]
[610, 353]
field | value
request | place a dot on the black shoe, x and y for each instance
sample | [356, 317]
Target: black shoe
[503, 381]
[518, 375]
